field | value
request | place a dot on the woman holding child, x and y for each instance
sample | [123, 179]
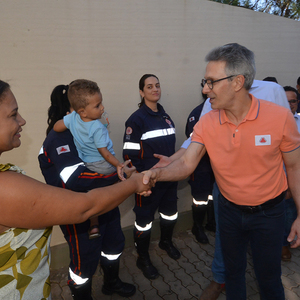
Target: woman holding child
[66, 169]
[29, 208]
[91, 137]
[150, 130]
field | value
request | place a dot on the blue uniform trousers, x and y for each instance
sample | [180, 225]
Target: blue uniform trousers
[85, 253]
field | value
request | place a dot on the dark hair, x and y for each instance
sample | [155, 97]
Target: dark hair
[142, 85]
[288, 88]
[59, 107]
[4, 87]
[238, 61]
[79, 90]
[272, 79]
[298, 81]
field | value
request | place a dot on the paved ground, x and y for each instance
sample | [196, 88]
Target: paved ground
[183, 279]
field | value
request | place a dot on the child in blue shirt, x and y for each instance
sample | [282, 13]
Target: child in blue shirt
[91, 137]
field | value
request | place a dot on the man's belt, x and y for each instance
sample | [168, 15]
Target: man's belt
[264, 206]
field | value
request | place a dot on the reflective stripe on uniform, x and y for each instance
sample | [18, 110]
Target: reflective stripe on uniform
[199, 202]
[157, 133]
[41, 150]
[170, 218]
[140, 228]
[111, 256]
[77, 279]
[210, 197]
[131, 146]
[66, 173]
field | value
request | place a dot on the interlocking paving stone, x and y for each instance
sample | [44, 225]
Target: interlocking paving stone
[200, 280]
[55, 288]
[143, 283]
[251, 292]
[168, 275]
[152, 294]
[170, 297]
[161, 286]
[66, 294]
[195, 290]
[252, 297]
[288, 282]
[187, 265]
[181, 291]
[184, 279]
[171, 263]
[296, 291]
[291, 295]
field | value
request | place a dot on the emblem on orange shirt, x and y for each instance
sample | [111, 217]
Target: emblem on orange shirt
[263, 140]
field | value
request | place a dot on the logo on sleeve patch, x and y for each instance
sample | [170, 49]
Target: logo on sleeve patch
[191, 119]
[168, 122]
[263, 140]
[128, 130]
[63, 149]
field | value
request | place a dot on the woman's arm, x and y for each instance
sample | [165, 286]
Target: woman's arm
[59, 126]
[28, 203]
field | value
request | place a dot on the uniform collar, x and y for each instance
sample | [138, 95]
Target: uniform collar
[151, 112]
[251, 115]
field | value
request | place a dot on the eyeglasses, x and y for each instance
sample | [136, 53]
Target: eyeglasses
[293, 101]
[210, 82]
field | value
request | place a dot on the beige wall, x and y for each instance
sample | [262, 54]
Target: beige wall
[45, 43]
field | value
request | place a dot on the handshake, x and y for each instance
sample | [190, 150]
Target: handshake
[146, 180]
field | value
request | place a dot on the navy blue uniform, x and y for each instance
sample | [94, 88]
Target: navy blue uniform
[148, 132]
[202, 179]
[62, 167]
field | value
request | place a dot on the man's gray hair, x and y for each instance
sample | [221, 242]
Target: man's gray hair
[239, 61]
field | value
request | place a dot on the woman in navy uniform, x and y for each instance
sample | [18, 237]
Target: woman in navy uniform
[62, 167]
[150, 130]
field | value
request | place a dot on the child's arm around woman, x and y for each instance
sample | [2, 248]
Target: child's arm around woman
[59, 126]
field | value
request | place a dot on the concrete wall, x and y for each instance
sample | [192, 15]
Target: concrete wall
[45, 43]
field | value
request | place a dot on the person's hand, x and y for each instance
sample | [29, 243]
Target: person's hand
[123, 168]
[142, 189]
[295, 231]
[129, 170]
[150, 176]
[163, 161]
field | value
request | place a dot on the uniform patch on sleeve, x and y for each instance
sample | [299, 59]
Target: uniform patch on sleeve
[128, 130]
[63, 149]
[191, 119]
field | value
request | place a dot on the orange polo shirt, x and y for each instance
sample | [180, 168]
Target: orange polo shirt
[247, 159]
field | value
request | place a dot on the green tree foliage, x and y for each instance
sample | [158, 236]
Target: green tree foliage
[284, 8]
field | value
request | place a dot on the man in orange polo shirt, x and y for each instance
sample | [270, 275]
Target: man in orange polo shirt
[247, 140]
